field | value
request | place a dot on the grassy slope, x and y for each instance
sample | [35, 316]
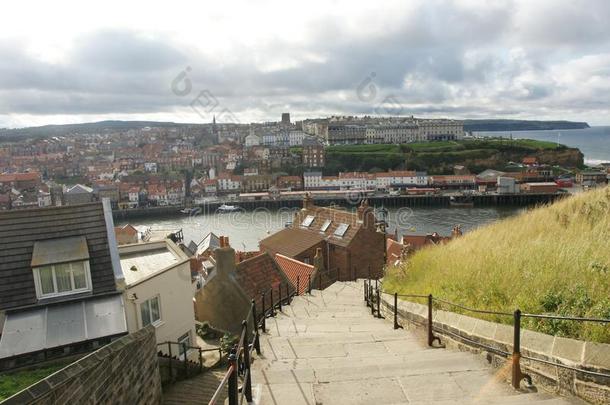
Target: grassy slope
[552, 259]
[12, 383]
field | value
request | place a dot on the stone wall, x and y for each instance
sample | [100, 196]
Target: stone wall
[124, 372]
[457, 330]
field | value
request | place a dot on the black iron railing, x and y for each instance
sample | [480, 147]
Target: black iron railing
[240, 356]
[372, 296]
[185, 362]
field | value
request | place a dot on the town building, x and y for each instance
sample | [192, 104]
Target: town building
[313, 153]
[58, 293]
[350, 243]
[157, 290]
[78, 194]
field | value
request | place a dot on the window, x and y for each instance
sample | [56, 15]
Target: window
[308, 220]
[62, 279]
[182, 341]
[325, 225]
[341, 229]
[150, 311]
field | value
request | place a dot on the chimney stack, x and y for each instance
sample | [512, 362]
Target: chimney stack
[225, 258]
[318, 261]
[307, 201]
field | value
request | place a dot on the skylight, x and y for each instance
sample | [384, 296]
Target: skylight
[325, 225]
[308, 220]
[341, 229]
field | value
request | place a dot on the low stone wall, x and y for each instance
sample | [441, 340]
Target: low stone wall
[124, 372]
[456, 329]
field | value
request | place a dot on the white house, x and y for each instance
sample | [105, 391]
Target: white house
[157, 290]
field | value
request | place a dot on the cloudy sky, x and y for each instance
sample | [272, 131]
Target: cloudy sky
[64, 62]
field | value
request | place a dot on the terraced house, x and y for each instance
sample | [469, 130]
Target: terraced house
[58, 294]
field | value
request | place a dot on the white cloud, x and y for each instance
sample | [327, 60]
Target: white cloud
[73, 61]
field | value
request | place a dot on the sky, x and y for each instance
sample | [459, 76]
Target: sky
[249, 61]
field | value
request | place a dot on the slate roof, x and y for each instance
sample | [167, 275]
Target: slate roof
[336, 216]
[257, 275]
[291, 241]
[20, 229]
[294, 269]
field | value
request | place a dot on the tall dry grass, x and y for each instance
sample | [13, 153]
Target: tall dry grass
[553, 259]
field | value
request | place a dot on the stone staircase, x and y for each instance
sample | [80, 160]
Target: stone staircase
[327, 349]
[195, 390]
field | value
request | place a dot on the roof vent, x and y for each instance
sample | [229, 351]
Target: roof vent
[133, 268]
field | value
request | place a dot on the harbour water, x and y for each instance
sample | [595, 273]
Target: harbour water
[246, 228]
[593, 142]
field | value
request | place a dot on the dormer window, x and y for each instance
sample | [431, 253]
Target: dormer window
[325, 225]
[61, 279]
[61, 267]
[308, 221]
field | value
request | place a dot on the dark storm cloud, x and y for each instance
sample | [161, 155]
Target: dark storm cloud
[440, 58]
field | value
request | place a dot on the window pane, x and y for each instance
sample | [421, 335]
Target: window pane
[78, 271]
[145, 310]
[62, 277]
[154, 309]
[46, 280]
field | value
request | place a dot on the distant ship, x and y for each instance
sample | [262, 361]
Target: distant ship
[465, 201]
[227, 208]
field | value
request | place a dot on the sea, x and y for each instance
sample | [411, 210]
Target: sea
[593, 142]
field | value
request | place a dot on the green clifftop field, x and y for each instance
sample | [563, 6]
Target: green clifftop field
[553, 259]
[440, 157]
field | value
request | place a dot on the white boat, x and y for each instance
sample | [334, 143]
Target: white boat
[227, 208]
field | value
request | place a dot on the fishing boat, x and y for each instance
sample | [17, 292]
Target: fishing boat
[461, 201]
[227, 208]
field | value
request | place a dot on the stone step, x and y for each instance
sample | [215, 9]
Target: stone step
[326, 348]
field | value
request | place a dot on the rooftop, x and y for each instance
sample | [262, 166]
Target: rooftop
[143, 260]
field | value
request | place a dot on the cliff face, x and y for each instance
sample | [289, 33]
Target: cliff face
[489, 159]
[569, 157]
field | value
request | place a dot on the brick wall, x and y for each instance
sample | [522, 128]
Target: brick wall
[124, 372]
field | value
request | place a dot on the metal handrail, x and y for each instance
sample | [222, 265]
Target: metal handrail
[478, 311]
[517, 374]
[222, 384]
[246, 345]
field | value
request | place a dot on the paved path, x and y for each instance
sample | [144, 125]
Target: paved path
[328, 349]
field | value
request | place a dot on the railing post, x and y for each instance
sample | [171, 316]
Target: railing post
[378, 304]
[369, 271]
[233, 390]
[309, 283]
[431, 337]
[186, 361]
[371, 299]
[279, 287]
[257, 343]
[396, 325]
[517, 374]
[169, 351]
[264, 315]
[298, 285]
[272, 304]
[248, 381]
[200, 360]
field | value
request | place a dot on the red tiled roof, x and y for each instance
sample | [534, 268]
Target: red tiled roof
[19, 177]
[257, 275]
[393, 250]
[291, 241]
[295, 270]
